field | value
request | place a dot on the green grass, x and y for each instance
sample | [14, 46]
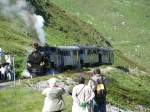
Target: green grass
[127, 90]
[23, 99]
[20, 99]
[63, 28]
[123, 61]
[14, 39]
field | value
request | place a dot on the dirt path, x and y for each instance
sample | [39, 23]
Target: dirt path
[6, 84]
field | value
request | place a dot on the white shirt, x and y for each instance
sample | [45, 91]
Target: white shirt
[3, 70]
[81, 93]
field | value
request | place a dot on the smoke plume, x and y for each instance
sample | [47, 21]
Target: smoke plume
[20, 8]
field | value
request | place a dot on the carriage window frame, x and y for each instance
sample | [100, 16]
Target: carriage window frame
[105, 55]
[60, 52]
[66, 53]
[82, 51]
[94, 51]
[89, 51]
[74, 52]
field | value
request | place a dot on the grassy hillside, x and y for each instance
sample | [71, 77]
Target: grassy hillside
[126, 90]
[123, 22]
[14, 39]
[63, 28]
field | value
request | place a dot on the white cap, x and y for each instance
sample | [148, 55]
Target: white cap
[52, 81]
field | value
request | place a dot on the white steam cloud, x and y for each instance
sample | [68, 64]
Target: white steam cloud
[21, 8]
[39, 28]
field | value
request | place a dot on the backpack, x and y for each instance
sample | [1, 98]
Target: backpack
[100, 92]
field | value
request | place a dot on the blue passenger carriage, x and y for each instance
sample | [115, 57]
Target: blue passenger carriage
[106, 56]
[60, 58]
[69, 57]
[89, 56]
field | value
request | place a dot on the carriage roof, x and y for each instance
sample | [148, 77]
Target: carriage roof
[105, 49]
[87, 47]
[68, 47]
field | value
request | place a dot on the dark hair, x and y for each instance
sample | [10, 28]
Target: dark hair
[97, 71]
[81, 80]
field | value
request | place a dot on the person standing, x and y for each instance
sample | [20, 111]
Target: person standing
[53, 97]
[98, 85]
[82, 96]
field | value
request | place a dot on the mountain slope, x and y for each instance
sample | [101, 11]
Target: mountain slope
[123, 22]
[71, 29]
[14, 39]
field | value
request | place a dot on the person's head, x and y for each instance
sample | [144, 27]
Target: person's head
[81, 80]
[52, 82]
[97, 71]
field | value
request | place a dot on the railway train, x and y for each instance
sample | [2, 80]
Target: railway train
[59, 58]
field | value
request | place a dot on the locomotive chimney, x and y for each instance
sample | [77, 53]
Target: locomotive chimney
[36, 46]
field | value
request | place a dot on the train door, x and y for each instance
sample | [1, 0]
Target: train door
[105, 57]
[95, 57]
[100, 57]
[81, 52]
[72, 58]
[75, 58]
[111, 57]
[62, 54]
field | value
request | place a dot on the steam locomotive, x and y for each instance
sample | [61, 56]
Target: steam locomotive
[59, 58]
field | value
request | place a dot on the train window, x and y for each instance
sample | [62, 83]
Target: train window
[89, 51]
[111, 57]
[100, 51]
[105, 56]
[94, 51]
[64, 53]
[74, 52]
[67, 53]
[53, 49]
[85, 52]
[82, 51]
[60, 52]
[105, 52]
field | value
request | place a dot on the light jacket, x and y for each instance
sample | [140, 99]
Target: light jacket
[53, 99]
